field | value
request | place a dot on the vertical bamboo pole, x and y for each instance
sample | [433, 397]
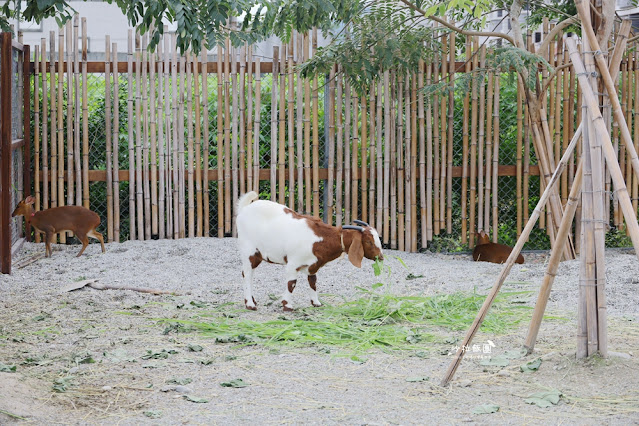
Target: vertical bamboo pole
[291, 131]
[76, 97]
[437, 224]
[387, 137]
[116, 146]
[520, 134]
[206, 153]
[451, 117]
[54, 143]
[316, 157]
[227, 140]
[60, 124]
[411, 239]
[145, 140]
[364, 160]
[70, 114]
[444, 137]
[480, 142]
[565, 119]
[168, 132]
[300, 128]
[330, 109]
[85, 119]
[402, 104]
[161, 143]
[425, 157]
[138, 140]
[274, 140]
[473, 145]
[339, 178]
[256, 126]
[354, 154]
[379, 164]
[220, 143]
[396, 148]
[45, 137]
[281, 156]
[234, 140]
[465, 135]
[489, 151]
[249, 122]
[181, 142]
[153, 125]
[371, 187]
[36, 133]
[190, 148]
[132, 233]
[175, 141]
[107, 116]
[242, 118]
[635, 181]
[198, 143]
[496, 160]
[526, 171]
[307, 134]
[347, 152]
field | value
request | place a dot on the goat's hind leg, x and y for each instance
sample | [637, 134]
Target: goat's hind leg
[247, 273]
[312, 280]
[291, 282]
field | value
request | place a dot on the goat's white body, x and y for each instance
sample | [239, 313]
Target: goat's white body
[265, 227]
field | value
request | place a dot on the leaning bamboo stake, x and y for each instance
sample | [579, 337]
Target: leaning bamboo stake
[108, 141]
[256, 126]
[190, 142]
[45, 137]
[76, 98]
[315, 143]
[611, 161]
[291, 131]
[132, 233]
[69, 113]
[116, 147]
[60, 124]
[506, 269]
[220, 144]
[139, 194]
[473, 147]
[198, 144]
[274, 150]
[36, 135]
[465, 137]
[339, 178]
[205, 118]
[555, 258]
[153, 127]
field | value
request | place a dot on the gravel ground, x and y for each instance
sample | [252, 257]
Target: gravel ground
[47, 334]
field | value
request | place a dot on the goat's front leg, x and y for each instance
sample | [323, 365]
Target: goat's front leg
[291, 282]
[312, 280]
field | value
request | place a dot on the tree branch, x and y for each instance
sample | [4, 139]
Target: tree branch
[457, 29]
[559, 27]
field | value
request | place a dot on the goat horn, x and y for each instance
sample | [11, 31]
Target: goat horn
[357, 228]
[361, 222]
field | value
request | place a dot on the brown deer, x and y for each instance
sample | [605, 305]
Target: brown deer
[80, 220]
[487, 251]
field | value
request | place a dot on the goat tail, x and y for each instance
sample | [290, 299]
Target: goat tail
[246, 199]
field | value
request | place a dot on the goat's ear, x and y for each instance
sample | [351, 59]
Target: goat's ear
[356, 250]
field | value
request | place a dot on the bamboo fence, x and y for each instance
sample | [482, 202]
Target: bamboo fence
[187, 135]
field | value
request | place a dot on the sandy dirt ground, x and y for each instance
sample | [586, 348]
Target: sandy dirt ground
[112, 357]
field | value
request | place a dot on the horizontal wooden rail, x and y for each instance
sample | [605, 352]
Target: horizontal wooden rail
[100, 175]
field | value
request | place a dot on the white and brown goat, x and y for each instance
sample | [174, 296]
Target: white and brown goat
[273, 233]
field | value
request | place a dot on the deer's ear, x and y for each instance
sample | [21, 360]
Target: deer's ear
[29, 200]
[356, 250]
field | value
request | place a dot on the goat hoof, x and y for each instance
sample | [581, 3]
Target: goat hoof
[316, 305]
[285, 307]
[251, 308]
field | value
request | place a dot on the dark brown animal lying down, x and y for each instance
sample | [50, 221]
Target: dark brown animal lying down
[487, 251]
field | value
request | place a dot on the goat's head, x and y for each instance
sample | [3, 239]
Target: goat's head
[365, 243]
